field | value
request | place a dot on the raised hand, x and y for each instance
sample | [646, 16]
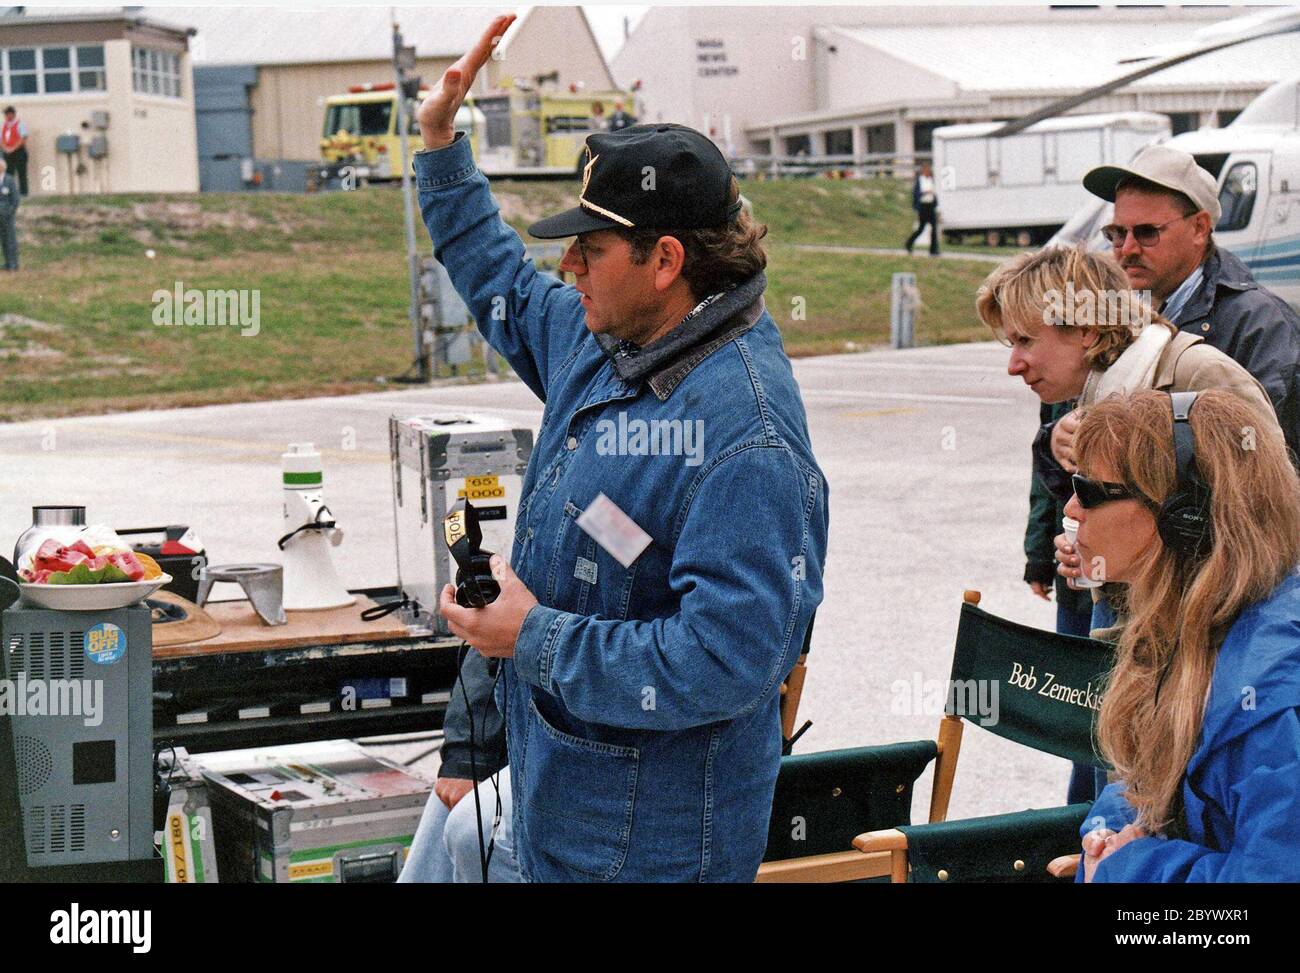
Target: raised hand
[437, 114]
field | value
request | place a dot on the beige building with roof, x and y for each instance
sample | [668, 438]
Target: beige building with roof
[118, 83]
[303, 57]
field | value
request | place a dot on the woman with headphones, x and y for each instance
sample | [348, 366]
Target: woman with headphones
[1191, 502]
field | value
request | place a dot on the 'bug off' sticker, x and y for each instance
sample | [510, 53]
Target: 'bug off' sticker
[105, 644]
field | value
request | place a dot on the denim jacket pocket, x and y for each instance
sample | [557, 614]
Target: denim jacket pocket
[588, 838]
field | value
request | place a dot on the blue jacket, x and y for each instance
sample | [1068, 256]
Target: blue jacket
[642, 701]
[1242, 790]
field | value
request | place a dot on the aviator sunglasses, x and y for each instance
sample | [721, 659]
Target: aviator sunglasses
[1146, 234]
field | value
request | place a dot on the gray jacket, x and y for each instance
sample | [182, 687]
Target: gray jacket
[8, 197]
[479, 676]
[1255, 328]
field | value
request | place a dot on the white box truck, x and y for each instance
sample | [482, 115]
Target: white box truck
[1023, 188]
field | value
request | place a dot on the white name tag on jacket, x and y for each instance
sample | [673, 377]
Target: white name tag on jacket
[614, 530]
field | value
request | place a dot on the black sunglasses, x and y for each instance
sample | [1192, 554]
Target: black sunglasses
[1094, 493]
[1146, 234]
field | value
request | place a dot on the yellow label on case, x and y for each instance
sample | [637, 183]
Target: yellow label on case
[311, 870]
[482, 488]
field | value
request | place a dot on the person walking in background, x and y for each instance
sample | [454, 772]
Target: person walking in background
[13, 141]
[8, 217]
[926, 204]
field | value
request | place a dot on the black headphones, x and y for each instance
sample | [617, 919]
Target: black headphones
[475, 586]
[1184, 520]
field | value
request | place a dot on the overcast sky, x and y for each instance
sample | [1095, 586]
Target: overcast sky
[607, 21]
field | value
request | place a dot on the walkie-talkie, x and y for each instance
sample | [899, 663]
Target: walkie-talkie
[475, 586]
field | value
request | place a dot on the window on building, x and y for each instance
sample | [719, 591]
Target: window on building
[155, 72]
[880, 138]
[839, 142]
[1226, 118]
[51, 70]
[56, 70]
[1237, 197]
[90, 68]
[1183, 121]
[923, 135]
[798, 145]
[762, 146]
[21, 76]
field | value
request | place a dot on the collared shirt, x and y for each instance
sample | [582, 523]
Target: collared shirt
[1176, 301]
[12, 133]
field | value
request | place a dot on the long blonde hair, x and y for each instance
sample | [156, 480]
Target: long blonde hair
[1177, 612]
[1066, 287]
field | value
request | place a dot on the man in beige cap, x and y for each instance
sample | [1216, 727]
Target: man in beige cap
[1162, 234]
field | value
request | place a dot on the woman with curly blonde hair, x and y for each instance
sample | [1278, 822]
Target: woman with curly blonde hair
[1193, 504]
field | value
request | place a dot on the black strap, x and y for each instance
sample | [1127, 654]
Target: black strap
[379, 611]
[787, 746]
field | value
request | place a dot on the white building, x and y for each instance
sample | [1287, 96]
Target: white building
[858, 80]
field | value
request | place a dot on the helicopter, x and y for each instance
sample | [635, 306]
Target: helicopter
[1255, 158]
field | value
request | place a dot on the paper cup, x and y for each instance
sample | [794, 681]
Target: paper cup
[1071, 528]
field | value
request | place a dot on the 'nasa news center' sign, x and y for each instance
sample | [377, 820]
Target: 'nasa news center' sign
[711, 56]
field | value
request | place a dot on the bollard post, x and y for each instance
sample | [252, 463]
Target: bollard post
[903, 301]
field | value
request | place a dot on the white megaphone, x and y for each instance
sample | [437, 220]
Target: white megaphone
[310, 581]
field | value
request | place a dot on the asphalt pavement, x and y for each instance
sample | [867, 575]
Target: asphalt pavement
[926, 451]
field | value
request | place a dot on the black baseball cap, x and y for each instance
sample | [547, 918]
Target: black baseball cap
[647, 175]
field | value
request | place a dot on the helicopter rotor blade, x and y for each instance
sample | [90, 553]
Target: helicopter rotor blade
[1268, 25]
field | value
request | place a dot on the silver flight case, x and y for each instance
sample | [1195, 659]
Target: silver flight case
[436, 460]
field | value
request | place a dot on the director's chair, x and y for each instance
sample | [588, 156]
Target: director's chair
[845, 815]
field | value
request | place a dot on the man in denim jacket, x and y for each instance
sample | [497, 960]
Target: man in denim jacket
[670, 541]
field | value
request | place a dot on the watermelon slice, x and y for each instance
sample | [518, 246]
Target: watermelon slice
[81, 547]
[128, 564]
[53, 556]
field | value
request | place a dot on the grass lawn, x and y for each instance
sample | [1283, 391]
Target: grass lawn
[77, 332]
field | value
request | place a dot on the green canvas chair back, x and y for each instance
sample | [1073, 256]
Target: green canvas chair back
[1038, 688]
[1001, 848]
[823, 800]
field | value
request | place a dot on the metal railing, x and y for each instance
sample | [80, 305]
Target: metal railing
[887, 165]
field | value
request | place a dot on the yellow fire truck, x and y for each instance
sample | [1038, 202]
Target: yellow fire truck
[513, 133]
[361, 130]
[540, 132]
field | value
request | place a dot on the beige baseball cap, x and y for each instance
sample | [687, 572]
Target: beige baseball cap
[1165, 167]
